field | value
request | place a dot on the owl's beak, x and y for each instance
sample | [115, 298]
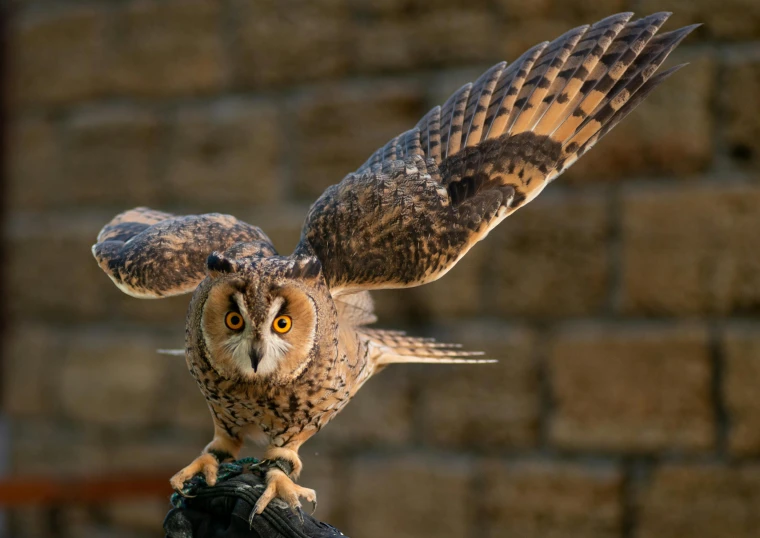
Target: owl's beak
[255, 355]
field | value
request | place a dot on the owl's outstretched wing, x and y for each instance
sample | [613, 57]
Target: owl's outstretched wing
[417, 205]
[150, 254]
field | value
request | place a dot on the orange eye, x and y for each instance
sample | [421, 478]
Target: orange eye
[234, 321]
[282, 324]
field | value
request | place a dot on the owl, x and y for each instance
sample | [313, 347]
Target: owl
[280, 344]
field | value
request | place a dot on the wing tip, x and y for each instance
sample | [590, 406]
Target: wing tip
[664, 15]
[690, 28]
[660, 77]
[102, 249]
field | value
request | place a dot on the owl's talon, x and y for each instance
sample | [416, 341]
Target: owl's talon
[205, 464]
[296, 510]
[280, 485]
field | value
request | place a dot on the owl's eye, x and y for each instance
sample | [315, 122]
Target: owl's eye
[282, 324]
[234, 321]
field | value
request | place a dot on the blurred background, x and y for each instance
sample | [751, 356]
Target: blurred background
[623, 304]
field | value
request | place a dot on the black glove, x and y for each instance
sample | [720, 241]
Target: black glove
[225, 510]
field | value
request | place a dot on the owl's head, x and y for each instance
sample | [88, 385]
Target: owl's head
[258, 317]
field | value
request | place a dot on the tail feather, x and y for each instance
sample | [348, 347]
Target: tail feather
[387, 358]
[175, 352]
[392, 347]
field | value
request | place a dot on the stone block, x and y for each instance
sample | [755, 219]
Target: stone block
[339, 126]
[168, 48]
[535, 499]
[706, 501]
[457, 37]
[384, 45]
[370, 9]
[669, 134]
[34, 164]
[34, 246]
[161, 451]
[453, 5]
[691, 250]
[450, 35]
[550, 259]
[109, 158]
[380, 415]
[325, 476]
[481, 406]
[524, 12]
[281, 222]
[525, 24]
[458, 294]
[57, 56]
[741, 111]
[101, 155]
[225, 154]
[49, 446]
[51, 275]
[30, 370]
[111, 377]
[741, 377]
[189, 410]
[632, 389]
[733, 20]
[444, 83]
[407, 497]
[277, 43]
[522, 33]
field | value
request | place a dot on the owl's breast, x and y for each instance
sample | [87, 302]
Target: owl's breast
[283, 412]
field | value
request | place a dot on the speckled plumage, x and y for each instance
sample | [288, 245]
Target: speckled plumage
[404, 218]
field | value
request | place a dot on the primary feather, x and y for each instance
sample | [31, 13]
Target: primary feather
[420, 202]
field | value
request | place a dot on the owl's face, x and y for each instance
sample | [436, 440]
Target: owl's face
[256, 321]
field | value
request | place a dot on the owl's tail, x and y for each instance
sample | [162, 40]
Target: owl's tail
[394, 347]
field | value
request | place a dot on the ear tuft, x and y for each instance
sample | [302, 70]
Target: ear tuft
[216, 263]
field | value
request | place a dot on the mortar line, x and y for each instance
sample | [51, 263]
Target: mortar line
[717, 396]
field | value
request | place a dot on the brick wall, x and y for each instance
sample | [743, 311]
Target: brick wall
[623, 303]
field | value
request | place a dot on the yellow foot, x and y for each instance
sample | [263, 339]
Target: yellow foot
[205, 464]
[279, 485]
